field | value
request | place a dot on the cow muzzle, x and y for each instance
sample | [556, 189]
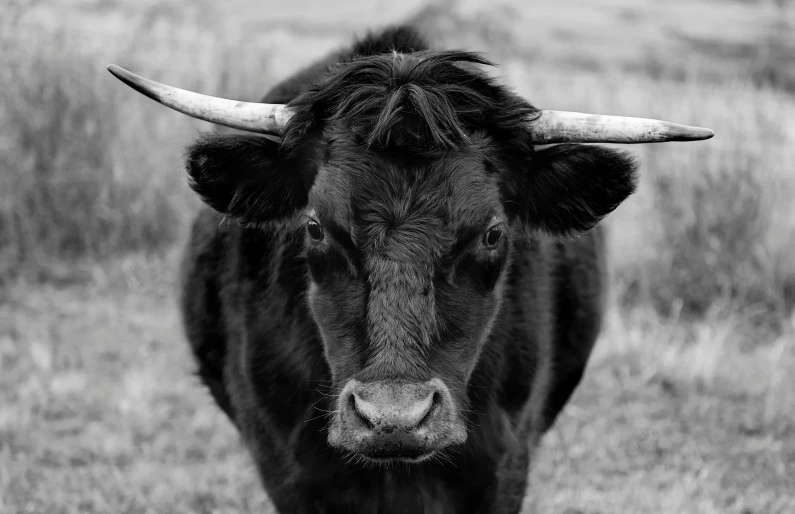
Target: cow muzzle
[386, 421]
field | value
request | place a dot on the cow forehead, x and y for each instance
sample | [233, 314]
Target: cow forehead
[386, 201]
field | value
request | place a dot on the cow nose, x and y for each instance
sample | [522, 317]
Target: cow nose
[384, 413]
[396, 420]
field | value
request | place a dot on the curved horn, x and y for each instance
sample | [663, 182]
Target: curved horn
[577, 127]
[251, 117]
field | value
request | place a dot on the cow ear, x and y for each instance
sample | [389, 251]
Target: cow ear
[569, 188]
[245, 177]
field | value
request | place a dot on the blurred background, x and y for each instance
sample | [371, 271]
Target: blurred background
[689, 401]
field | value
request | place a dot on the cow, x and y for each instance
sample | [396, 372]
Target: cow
[391, 292]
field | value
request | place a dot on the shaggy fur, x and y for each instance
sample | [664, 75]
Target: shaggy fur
[419, 102]
[435, 261]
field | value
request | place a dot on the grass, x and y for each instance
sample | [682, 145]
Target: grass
[711, 225]
[92, 170]
[94, 391]
[687, 404]
[100, 412]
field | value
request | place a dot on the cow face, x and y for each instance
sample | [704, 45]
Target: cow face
[413, 179]
[407, 261]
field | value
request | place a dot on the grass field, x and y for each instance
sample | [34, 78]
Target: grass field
[100, 412]
[688, 404]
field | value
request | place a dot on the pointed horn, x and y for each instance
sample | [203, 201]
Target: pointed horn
[251, 117]
[577, 127]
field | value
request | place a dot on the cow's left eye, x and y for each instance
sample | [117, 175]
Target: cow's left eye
[314, 230]
[492, 237]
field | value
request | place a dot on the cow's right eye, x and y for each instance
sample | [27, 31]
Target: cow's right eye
[314, 230]
[492, 237]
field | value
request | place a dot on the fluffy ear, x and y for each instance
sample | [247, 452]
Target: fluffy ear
[569, 188]
[245, 177]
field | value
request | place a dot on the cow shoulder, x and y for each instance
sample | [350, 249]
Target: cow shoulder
[201, 304]
[579, 287]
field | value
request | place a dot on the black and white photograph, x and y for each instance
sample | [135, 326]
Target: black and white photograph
[397, 257]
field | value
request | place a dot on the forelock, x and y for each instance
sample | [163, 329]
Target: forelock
[420, 102]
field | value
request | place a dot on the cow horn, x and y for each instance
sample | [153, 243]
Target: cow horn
[577, 127]
[548, 128]
[251, 117]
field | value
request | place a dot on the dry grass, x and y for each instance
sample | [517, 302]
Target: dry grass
[100, 412]
[86, 170]
[687, 405]
[712, 225]
[90, 169]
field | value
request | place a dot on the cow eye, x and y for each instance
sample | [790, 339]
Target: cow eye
[314, 230]
[492, 237]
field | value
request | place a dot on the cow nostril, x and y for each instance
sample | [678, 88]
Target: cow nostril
[352, 405]
[436, 402]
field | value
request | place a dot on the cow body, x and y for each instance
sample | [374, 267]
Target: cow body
[262, 304]
[268, 373]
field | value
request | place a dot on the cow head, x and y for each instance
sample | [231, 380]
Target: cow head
[413, 177]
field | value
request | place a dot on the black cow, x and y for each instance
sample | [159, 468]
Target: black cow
[389, 315]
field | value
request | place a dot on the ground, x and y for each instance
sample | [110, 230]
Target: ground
[100, 411]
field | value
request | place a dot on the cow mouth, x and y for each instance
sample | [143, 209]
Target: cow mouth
[403, 451]
[380, 455]
[413, 458]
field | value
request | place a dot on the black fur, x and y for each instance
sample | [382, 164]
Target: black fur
[419, 102]
[243, 177]
[569, 188]
[407, 158]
